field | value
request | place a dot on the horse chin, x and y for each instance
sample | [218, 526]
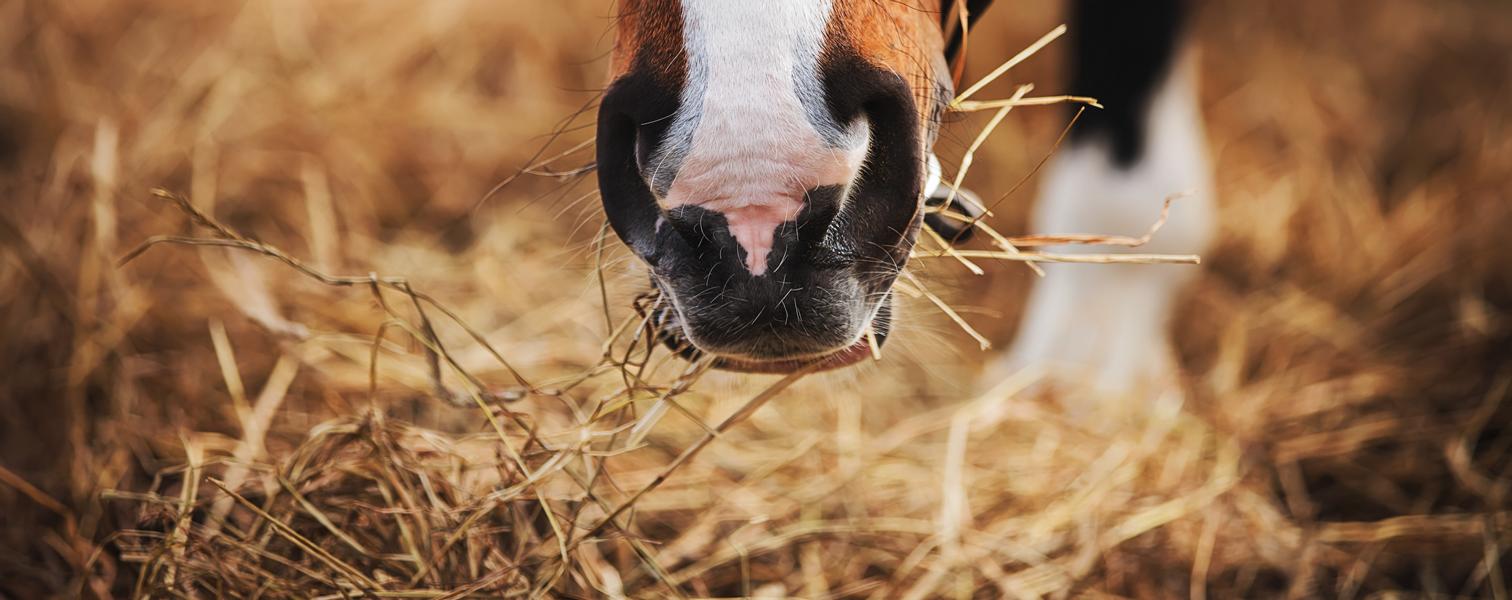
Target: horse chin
[670, 334]
[844, 357]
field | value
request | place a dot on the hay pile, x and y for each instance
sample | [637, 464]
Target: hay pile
[387, 382]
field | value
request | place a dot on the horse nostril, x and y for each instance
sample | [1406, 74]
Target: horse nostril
[645, 148]
[629, 126]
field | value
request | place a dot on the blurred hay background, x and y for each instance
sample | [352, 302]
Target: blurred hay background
[1349, 347]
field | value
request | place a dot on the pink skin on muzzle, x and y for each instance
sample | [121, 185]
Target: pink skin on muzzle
[757, 182]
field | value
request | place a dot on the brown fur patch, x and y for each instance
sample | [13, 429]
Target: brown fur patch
[902, 36]
[650, 32]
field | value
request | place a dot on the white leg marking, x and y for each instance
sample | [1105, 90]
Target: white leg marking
[1108, 325]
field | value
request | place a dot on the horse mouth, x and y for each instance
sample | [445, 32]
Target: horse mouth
[663, 320]
[843, 357]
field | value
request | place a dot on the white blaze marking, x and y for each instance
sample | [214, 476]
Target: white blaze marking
[753, 133]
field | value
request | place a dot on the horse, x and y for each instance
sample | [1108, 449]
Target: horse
[771, 162]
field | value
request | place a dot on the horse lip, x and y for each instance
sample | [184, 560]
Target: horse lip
[670, 333]
[843, 357]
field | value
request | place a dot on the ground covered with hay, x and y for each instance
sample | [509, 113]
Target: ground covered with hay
[345, 364]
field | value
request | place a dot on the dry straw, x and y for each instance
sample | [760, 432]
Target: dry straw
[547, 559]
[238, 419]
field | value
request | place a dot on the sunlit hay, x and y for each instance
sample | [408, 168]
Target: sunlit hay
[1014, 243]
[547, 558]
[1344, 432]
[535, 460]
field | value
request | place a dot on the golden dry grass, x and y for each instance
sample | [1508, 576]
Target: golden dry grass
[210, 421]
